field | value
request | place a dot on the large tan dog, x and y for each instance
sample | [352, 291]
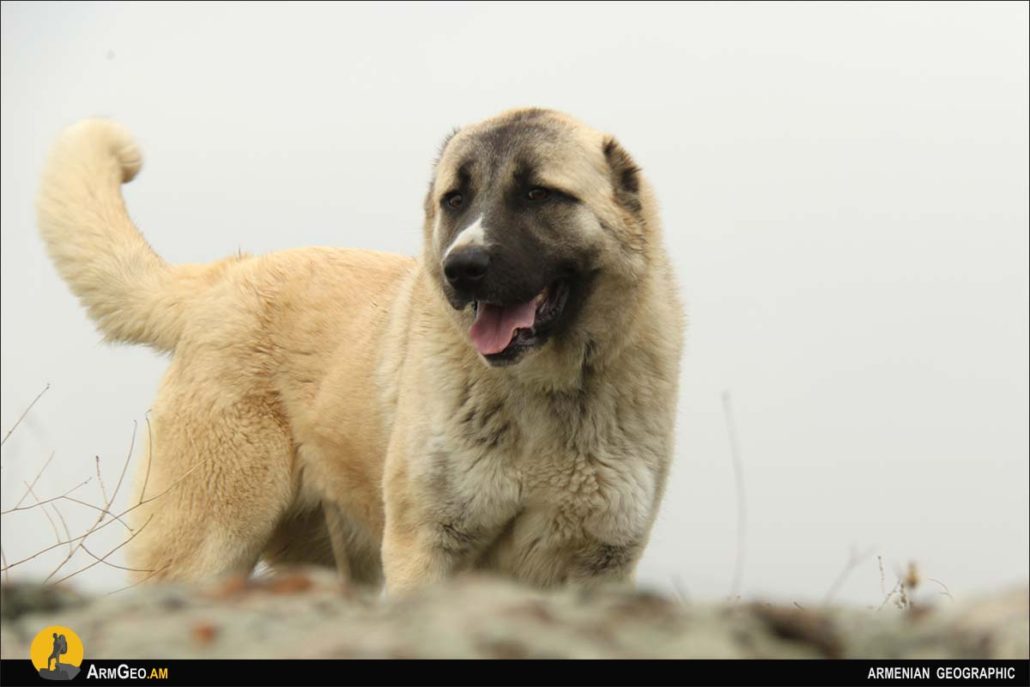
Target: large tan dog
[504, 402]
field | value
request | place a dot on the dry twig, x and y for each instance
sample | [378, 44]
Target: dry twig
[738, 473]
[107, 506]
[34, 480]
[23, 414]
[122, 514]
[854, 559]
[103, 559]
[38, 502]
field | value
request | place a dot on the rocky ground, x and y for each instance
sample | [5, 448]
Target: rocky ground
[306, 614]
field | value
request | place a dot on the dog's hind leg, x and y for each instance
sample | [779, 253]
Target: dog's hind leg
[325, 536]
[338, 538]
[216, 486]
[301, 538]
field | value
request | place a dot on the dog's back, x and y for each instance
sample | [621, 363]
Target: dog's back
[261, 345]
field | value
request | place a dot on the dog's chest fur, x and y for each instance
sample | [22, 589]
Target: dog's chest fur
[545, 486]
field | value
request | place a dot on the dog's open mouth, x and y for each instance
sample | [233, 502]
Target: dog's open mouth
[501, 332]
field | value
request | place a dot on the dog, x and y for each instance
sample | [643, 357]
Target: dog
[505, 402]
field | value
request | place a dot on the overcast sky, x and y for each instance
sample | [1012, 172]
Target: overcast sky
[844, 192]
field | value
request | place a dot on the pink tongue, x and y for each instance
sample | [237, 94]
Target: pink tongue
[495, 326]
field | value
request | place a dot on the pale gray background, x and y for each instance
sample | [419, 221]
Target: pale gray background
[844, 190]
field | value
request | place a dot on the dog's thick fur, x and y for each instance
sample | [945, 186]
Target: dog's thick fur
[326, 405]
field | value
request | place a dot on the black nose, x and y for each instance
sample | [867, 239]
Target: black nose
[466, 267]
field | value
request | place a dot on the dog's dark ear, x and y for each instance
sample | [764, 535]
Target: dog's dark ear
[625, 175]
[428, 205]
[443, 144]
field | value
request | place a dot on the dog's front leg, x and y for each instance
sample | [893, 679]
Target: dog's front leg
[443, 508]
[418, 547]
[598, 562]
[412, 556]
[411, 560]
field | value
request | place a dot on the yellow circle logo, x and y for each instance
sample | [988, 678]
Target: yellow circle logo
[56, 652]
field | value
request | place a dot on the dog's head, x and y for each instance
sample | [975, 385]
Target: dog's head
[537, 233]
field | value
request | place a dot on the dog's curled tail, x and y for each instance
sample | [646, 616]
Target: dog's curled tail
[129, 291]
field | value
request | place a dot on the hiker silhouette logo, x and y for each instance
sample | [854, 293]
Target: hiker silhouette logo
[56, 652]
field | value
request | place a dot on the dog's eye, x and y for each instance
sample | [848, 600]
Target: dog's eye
[538, 193]
[454, 200]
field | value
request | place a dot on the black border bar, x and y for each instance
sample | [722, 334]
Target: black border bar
[539, 673]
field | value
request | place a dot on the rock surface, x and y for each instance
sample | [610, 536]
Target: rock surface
[306, 614]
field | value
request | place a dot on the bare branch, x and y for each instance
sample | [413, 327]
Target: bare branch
[34, 480]
[139, 582]
[106, 512]
[44, 501]
[64, 523]
[103, 559]
[100, 478]
[854, 559]
[150, 457]
[679, 589]
[53, 506]
[891, 594]
[23, 414]
[879, 561]
[125, 512]
[53, 525]
[107, 506]
[110, 564]
[946, 592]
[738, 474]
